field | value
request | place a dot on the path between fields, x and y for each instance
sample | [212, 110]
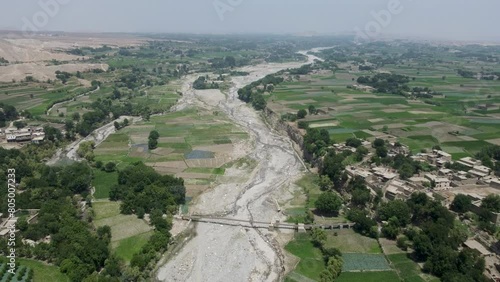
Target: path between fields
[226, 253]
[67, 101]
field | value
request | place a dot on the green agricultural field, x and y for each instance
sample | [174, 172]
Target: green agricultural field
[193, 144]
[127, 248]
[128, 233]
[36, 97]
[43, 272]
[303, 199]
[364, 262]
[103, 181]
[416, 122]
[309, 183]
[349, 241]
[122, 226]
[311, 260]
[386, 276]
[408, 270]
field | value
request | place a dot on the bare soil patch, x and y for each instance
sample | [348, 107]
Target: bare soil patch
[325, 124]
[41, 71]
[494, 141]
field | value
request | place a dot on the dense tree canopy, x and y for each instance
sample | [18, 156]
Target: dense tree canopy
[328, 203]
[140, 186]
[395, 209]
[461, 203]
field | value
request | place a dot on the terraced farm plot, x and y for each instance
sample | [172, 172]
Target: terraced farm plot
[103, 181]
[311, 260]
[349, 241]
[43, 272]
[189, 139]
[408, 270]
[390, 246]
[126, 248]
[364, 262]
[414, 122]
[36, 96]
[122, 226]
[386, 276]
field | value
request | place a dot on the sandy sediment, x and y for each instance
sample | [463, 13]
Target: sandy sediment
[229, 253]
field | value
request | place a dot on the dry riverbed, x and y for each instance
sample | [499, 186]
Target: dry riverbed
[228, 253]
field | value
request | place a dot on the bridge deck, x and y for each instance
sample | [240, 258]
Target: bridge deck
[261, 224]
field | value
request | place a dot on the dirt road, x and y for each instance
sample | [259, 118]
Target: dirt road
[226, 253]
[97, 136]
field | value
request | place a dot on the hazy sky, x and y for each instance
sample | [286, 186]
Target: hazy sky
[446, 19]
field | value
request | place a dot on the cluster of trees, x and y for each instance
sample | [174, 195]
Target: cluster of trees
[102, 109]
[360, 194]
[57, 192]
[328, 203]
[361, 151]
[423, 92]
[81, 251]
[316, 141]
[332, 257]
[222, 63]
[76, 52]
[119, 126]
[387, 83]
[147, 257]
[366, 68]
[247, 94]
[490, 157]
[201, 83]
[108, 167]
[86, 150]
[380, 148]
[334, 168]
[7, 113]
[429, 228]
[406, 166]
[3, 60]
[438, 241]
[397, 214]
[466, 73]
[489, 205]
[103, 48]
[63, 76]
[303, 70]
[302, 113]
[364, 224]
[74, 247]
[153, 140]
[141, 190]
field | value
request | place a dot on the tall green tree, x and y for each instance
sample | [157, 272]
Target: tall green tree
[328, 203]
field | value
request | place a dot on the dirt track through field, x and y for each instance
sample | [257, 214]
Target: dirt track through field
[229, 253]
